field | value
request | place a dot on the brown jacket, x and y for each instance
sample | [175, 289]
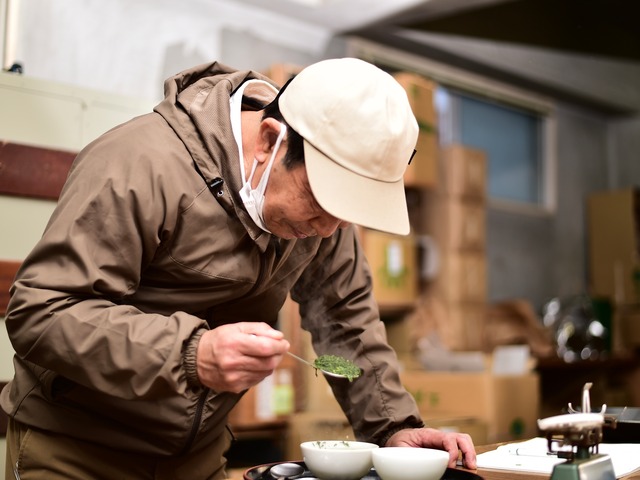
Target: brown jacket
[140, 256]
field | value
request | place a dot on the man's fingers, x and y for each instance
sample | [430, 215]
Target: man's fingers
[260, 329]
[263, 341]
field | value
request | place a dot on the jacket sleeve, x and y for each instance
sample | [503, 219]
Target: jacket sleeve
[68, 312]
[338, 309]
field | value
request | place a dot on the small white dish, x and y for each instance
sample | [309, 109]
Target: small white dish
[338, 459]
[407, 463]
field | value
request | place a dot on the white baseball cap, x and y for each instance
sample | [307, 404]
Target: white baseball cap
[359, 135]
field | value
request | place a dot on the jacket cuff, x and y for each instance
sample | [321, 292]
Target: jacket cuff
[189, 358]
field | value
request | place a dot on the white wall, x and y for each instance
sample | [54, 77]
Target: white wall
[624, 147]
[130, 46]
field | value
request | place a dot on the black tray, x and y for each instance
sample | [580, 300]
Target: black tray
[261, 472]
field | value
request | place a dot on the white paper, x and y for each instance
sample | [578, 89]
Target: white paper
[531, 456]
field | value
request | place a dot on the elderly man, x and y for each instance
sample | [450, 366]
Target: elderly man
[148, 306]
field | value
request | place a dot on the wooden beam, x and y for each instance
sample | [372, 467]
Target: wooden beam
[34, 172]
[8, 269]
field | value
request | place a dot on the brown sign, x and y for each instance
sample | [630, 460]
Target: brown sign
[34, 172]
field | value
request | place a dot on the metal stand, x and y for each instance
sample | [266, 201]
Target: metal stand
[583, 434]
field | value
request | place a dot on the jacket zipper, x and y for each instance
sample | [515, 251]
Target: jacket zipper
[196, 421]
[201, 401]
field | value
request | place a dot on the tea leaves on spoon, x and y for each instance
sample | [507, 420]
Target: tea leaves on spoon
[338, 365]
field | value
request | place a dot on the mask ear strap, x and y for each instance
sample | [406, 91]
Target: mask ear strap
[253, 171]
[276, 147]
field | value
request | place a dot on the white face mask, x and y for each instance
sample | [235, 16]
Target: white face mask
[253, 199]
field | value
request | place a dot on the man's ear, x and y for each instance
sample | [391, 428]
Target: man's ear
[266, 138]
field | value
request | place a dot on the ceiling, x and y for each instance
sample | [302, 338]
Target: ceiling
[603, 32]
[596, 27]
[604, 28]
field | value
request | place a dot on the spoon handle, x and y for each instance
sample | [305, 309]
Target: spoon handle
[331, 374]
[301, 359]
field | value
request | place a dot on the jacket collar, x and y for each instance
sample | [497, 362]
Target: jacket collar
[196, 105]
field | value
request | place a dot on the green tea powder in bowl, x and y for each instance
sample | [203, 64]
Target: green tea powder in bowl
[338, 459]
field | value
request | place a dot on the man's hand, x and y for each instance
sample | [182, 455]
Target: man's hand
[454, 443]
[234, 357]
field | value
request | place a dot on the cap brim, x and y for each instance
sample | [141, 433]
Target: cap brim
[354, 198]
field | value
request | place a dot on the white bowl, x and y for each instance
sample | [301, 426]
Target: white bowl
[407, 463]
[338, 459]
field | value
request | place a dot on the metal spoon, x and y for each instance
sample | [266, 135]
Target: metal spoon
[331, 374]
[283, 471]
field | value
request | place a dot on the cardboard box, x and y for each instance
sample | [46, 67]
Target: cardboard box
[457, 326]
[464, 171]
[456, 223]
[423, 170]
[462, 326]
[400, 335]
[420, 91]
[614, 245]
[508, 405]
[472, 426]
[393, 261]
[462, 278]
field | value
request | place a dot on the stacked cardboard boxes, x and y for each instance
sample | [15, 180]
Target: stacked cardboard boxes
[394, 259]
[423, 169]
[455, 217]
